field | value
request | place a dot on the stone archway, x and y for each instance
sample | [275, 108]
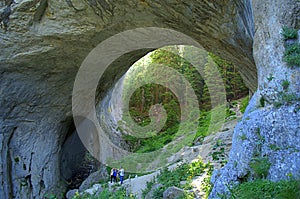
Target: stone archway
[43, 47]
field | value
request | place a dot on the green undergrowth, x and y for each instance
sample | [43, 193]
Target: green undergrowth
[183, 173]
[209, 122]
[263, 189]
[105, 194]
[244, 104]
[292, 49]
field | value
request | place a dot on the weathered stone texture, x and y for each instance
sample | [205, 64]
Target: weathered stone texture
[270, 127]
[43, 43]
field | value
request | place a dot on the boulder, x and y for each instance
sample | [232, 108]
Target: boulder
[95, 190]
[94, 178]
[71, 193]
[173, 193]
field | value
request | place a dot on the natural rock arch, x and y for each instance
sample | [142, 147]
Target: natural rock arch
[43, 47]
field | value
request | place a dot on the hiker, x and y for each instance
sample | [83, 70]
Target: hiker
[121, 174]
[115, 172]
[111, 174]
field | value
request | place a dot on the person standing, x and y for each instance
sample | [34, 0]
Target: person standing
[115, 174]
[112, 174]
[121, 173]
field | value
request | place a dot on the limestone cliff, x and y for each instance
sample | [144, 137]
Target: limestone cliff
[43, 43]
[270, 128]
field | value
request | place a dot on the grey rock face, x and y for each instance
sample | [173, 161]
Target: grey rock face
[266, 131]
[263, 133]
[71, 193]
[43, 44]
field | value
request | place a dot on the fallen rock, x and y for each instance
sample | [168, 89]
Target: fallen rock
[95, 190]
[71, 193]
[173, 193]
[93, 179]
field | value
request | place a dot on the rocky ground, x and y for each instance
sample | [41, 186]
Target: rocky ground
[214, 149]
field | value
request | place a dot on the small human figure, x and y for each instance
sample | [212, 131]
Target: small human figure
[121, 174]
[112, 174]
[115, 172]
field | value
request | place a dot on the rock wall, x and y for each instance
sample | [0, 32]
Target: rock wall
[270, 129]
[43, 43]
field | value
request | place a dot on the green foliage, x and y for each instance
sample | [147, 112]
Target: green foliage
[158, 193]
[233, 82]
[183, 172]
[17, 159]
[285, 84]
[274, 147]
[292, 50]
[206, 185]
[271, 77]
[158, 141]
[229, 112]
[262, 189]
[292, 55]
[260, 167]
[149, 94]
[243, 137]
[106, 193]
[262, 102]
[244, 104]
[51, 196]
[285, 98]
[289, 33]
[204, 121]
[218, 152]
[148, 187]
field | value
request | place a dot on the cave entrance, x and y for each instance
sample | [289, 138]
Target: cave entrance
[76, 163]
[118, 140]
[142, 112]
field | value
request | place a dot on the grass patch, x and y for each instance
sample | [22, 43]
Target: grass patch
[262, 189]
[244, 104]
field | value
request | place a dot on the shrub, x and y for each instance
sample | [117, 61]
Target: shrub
[285, 84]
[260, 167]
[262, 102]
[292, 55]
[289, 33]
